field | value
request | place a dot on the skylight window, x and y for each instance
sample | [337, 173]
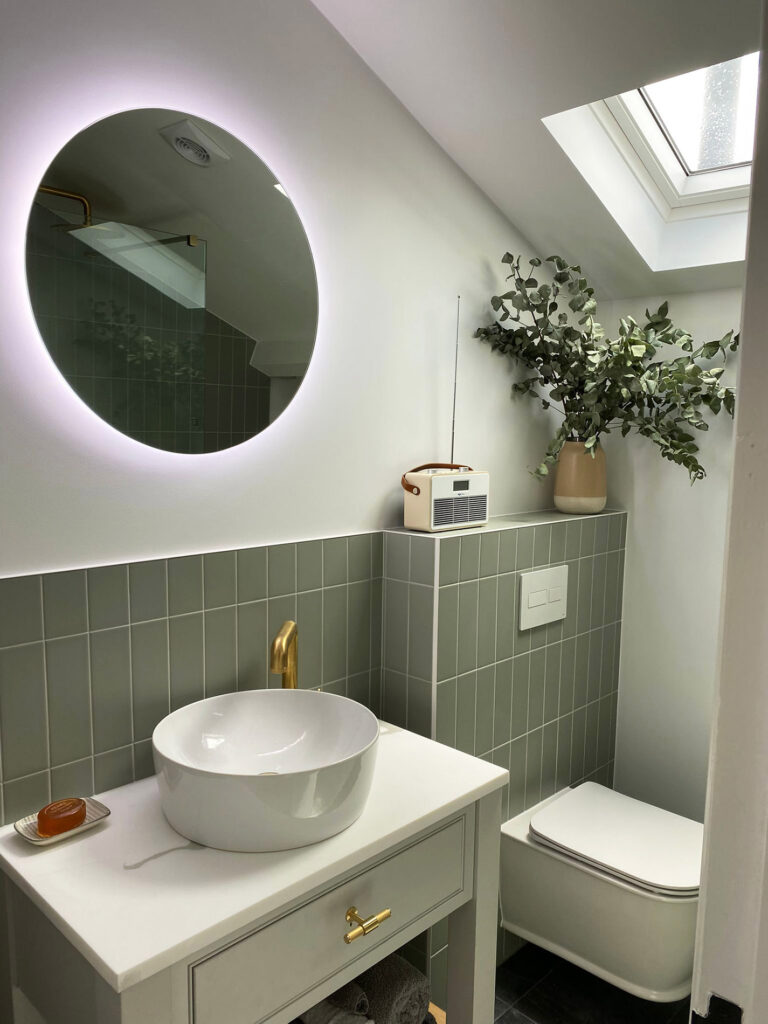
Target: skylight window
[708, 116]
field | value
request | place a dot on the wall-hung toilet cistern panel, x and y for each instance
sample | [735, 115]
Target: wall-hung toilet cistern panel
[543, 596]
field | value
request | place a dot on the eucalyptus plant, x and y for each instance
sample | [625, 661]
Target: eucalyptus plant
[632, 383]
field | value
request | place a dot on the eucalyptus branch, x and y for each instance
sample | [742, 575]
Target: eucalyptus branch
[605, 384]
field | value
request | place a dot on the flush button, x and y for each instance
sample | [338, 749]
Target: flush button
[543, 596]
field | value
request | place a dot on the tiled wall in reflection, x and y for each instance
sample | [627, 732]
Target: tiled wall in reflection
[171, 377]
[456, 667]
[92, 659]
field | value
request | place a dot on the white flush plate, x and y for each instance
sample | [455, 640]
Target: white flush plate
[543, 596]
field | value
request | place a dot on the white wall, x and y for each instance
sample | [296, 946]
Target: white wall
[672, 588]
[397, 232]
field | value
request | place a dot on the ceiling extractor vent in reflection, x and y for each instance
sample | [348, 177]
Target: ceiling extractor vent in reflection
[193, 143]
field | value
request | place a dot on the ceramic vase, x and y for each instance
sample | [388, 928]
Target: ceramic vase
[580, 480]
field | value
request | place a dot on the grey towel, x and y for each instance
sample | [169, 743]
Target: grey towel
[397, 992]
[350, 997]
[327, 1013]
[429, 1019]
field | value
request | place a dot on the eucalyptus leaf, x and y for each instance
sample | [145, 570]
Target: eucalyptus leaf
[637, 380]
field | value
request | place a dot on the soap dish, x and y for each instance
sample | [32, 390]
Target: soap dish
[94, 813]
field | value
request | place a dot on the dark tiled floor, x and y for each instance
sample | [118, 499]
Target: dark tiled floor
[536, 987]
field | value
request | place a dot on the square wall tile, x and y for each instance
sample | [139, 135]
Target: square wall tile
[21, 610]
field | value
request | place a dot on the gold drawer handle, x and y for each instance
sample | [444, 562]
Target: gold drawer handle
[363, 926]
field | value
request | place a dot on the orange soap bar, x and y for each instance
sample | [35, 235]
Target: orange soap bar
[61, 816]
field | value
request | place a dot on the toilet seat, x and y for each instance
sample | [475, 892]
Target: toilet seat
[638, 844]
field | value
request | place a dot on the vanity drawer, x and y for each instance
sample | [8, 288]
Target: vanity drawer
[259, 974]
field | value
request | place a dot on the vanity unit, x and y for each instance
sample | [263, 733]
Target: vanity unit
[131, 924]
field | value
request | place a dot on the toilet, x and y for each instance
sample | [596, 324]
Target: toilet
[609, 883]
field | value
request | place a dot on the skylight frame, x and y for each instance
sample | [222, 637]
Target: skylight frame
[628, 119]
[689, 172]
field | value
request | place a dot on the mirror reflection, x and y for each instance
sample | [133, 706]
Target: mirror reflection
[172, 280]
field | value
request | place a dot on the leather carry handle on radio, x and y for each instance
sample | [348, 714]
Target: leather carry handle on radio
[429, 465]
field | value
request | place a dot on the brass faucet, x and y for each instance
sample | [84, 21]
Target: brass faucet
[284, 655]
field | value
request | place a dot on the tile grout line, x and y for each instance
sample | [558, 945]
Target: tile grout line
[45, 691]
[90, 683]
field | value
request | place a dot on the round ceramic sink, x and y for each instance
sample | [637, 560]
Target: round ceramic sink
[265, 769]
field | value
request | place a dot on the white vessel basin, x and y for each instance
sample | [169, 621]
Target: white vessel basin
[265, 769]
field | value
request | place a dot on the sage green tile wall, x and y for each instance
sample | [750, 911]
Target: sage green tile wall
[541, 703]
[409, 628]
[168, 376]
[92, 659]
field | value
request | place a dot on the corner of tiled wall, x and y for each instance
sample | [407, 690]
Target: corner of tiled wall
[540, 702]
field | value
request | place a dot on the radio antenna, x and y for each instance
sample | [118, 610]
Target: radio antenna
[455, 375]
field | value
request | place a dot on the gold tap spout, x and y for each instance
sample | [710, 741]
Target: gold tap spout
[284, 654]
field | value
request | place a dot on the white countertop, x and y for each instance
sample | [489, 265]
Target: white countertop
[134, 897]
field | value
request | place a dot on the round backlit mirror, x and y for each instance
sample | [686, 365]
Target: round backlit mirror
[172, 280]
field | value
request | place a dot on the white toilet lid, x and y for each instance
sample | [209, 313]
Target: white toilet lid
[629, 839]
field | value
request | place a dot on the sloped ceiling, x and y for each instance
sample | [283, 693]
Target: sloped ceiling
[479, 75]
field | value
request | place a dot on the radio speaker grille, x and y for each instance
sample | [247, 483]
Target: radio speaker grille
[461, 508]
